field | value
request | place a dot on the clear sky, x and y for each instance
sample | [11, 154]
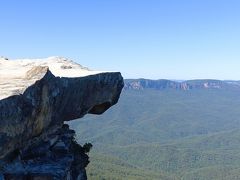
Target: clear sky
[173, 39]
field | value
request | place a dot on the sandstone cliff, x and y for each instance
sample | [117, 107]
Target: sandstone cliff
[162, 84]
[36, 97]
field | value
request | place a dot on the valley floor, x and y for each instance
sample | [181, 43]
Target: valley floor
[167, 135]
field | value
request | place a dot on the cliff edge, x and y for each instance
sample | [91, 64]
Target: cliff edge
[36, 97]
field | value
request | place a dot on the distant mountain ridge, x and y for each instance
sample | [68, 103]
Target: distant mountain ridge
[161, 84]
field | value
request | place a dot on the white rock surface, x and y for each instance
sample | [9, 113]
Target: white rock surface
[17, 75]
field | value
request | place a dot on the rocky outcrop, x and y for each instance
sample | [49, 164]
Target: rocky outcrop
[58, 157]
[36, 98]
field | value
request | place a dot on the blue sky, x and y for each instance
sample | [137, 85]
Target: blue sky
[173, 39]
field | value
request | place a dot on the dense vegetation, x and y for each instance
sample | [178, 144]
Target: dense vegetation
[108, 167]
[167, 134]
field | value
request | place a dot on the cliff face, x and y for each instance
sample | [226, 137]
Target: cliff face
[36, 97]
[139, 84]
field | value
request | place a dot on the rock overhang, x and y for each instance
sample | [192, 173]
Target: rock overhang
[38, 96]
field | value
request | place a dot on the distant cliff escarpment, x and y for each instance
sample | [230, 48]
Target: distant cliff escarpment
[36, 98]
[139, 84]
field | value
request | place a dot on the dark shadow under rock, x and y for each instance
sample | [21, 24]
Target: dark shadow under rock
[55, 159]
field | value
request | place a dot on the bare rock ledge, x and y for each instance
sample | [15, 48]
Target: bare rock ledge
[36, 97]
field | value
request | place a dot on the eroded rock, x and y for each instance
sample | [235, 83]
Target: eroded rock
[36, 97]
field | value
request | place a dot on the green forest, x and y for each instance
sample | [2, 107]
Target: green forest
[165, 134]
